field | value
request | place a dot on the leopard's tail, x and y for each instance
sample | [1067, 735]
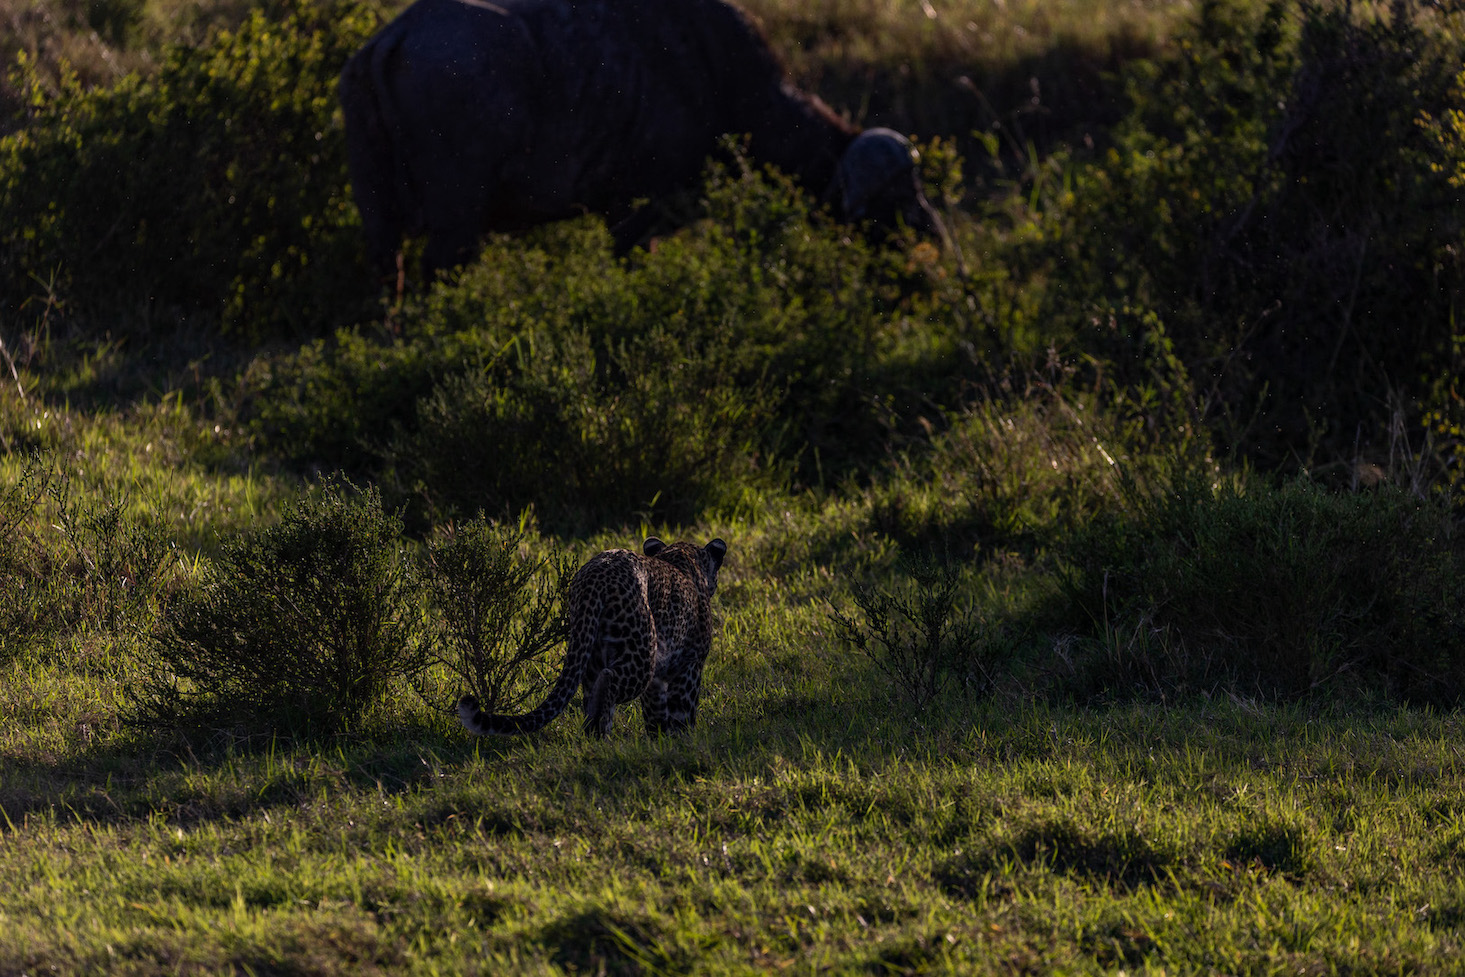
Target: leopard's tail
[491, 724]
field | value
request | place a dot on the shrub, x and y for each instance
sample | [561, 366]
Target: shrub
[665, 431]
[919, 635]
[116, 564]
[216, 187]
[761, 342]
[1273, 197]
[500, 612]
[334, 404]
[300, 626]
[1278, 591]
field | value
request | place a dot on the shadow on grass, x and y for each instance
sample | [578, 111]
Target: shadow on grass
[745, 771]
[1122, 859]
[191, 778]
[604, 940]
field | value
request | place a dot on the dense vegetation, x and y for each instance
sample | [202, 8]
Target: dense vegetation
[1096, 594]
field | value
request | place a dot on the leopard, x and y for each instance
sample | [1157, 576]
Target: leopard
[640, 626]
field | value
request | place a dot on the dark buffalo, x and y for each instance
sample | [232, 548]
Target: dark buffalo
[468, 116]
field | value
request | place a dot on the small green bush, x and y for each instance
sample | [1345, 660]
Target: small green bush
[216, 187]
[665, 432]
[500, 612]
[1277, 591]
[299, 627]
[921, 635]
[117, 564]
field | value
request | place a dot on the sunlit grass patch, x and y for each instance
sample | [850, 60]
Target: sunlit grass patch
[1107, 836]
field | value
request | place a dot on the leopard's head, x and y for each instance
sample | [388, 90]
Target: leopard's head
[707, 559]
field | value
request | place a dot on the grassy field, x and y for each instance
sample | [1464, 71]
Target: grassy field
[1159, 487]
[808, 824]
[788, 833]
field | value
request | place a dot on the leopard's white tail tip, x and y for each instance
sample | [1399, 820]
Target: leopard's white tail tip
[468, 713]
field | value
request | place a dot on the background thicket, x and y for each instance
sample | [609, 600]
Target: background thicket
[1094, 594]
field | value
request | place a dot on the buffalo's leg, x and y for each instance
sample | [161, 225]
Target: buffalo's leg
[634, 229]
[448, 247]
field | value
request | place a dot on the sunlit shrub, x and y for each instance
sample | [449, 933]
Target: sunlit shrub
[760, 344]
[923, 634]
[498, 598]
[300, 626]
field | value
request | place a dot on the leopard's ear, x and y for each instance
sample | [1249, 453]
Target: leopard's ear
[717, 549]
[652, 546]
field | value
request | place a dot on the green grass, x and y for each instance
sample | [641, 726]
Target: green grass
[806, 825]
[194, 477]
[1222, 836]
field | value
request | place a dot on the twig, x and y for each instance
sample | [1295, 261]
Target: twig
[10, 361]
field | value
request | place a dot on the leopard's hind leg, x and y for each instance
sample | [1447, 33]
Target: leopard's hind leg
[624, 677]
[654, 707]
[671, 706]
[594, 664]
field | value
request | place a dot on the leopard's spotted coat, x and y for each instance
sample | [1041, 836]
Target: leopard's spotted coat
[640, 627]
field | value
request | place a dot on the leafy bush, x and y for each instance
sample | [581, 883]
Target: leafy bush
[500, 613]
[1273, 197]
[666, 433]
[216, 187]
[1278, 591]
[762, 341]
[334, 404]
[117, 564]
[299, 626]
[919, 635]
